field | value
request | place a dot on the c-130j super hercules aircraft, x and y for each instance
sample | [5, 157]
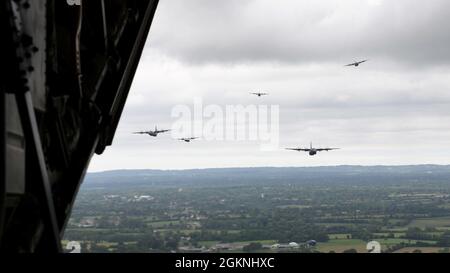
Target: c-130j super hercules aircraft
[153, 133]
[312, 151]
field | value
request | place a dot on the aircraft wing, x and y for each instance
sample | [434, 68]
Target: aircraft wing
[298, 149]
[143, 132]
[187, 138]
[162, 131]
[356, 63]
[326, 149]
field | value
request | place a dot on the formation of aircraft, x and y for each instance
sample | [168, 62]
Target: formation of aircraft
[153, 133]
[356, 64]
[259, 94]
[312, 151]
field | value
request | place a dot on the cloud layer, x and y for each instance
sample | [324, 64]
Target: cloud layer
[394, 109]
[407, 31]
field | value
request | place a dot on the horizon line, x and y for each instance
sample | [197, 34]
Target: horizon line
[273, 167]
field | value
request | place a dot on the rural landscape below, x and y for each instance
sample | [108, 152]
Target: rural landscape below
[315, 209]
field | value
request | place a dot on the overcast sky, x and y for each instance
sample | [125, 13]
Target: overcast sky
[392, 110]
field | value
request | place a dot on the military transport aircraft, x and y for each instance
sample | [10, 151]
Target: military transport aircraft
[356, 64]
[312, 151]
[259, 94]
[152, 133]
[187, 139]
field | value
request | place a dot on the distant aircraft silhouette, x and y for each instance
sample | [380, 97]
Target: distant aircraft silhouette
[312, 151]
[356, 64]
[259, 94]
[187, 139]
[152, 133]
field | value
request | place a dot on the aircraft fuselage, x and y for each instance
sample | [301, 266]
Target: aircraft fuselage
[312, 152]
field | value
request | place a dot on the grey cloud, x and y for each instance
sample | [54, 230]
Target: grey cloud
[236, 31]
[393, 110]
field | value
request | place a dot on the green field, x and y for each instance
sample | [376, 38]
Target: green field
[208, 243]
[107, 244]
[340, 245]
[263, 242]
[335, 236]
[213, 243]
[161, 224]
[395, 241]
[430, 222]
[386, 234]
[422, 249]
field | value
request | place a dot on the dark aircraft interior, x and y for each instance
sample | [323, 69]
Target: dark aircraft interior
[66, 70]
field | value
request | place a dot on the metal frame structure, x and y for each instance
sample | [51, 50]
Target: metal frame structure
[67, 73]
[2, 163]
